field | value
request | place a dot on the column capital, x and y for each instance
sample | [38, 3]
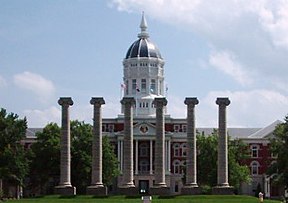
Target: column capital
[223, 101]
[128, 100]
[65, 101]
[97, 101]
[191, 101]
[160, 102]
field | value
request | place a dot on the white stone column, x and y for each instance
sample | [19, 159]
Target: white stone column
[97, 187]
[169, 155]
[136, 157]
[222, 178]
[65, 187]
[151, 157]
[122, 156]
[128, 174]
[119, 154]
[160, 103]
[191, 186]
[191, 160]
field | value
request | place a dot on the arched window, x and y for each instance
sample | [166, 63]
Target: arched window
[177, 166]
[254, 167]
[184, 149]
[176, 150]
[254, 151]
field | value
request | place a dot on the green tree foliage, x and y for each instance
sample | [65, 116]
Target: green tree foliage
[279, 147]
[238, 173]
[207, 160]
[81, 155]
[45, 157]
[13, 162]
[110, 162]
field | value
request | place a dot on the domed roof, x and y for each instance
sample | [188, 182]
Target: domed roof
[143, 47]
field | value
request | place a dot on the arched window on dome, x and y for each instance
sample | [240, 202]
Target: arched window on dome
[134, 85]
[153, 86]
[143, 86]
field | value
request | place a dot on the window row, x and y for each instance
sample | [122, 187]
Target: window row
[180, 128]
[143, 64]
[179, 150]
[143, 86]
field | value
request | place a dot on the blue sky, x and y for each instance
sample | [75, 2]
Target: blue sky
[238, 49]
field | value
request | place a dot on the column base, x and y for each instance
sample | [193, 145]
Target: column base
[66, 190]
[128, 190]
[192, 189]
[160, 189]
[223, 190]
[97, 190]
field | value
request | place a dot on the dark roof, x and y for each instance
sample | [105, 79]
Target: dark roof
[143, 47]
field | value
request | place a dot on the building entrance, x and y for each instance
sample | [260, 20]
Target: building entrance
[143, 186]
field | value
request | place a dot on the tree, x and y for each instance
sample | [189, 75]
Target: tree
[279, 148]
[81, 155]
[45, 158]
[207, 160]
[13, 162]
[109, 162]
[238, 173]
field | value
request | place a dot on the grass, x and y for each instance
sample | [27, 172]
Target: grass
[155, 199]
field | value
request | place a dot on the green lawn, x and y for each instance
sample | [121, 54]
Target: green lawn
[180, 199]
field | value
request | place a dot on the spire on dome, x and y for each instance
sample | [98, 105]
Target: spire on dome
[143, 27]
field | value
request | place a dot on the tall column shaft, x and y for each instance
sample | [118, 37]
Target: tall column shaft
[222, 178]
[128, 103]
[65, 156]
[160, 142]
[151, 157]
[191, 162]
[96, 178]
[136, 156]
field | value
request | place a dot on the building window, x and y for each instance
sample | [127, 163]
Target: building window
[143, 166]
[134, 86]
[176, 128]
[254, 167]
[254, 151]
[127, 87]
[143, 86]
[184, 128]
[184, 150]
[111, 128]
[104, 129]
[176, 150]
[143, 149]
[153, 86]
[177, 166]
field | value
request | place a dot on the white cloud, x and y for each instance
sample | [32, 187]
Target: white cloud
[256, 32]
[227, 63]
[247, 109]
[3, 82]
[40, 118]
[35, 83]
